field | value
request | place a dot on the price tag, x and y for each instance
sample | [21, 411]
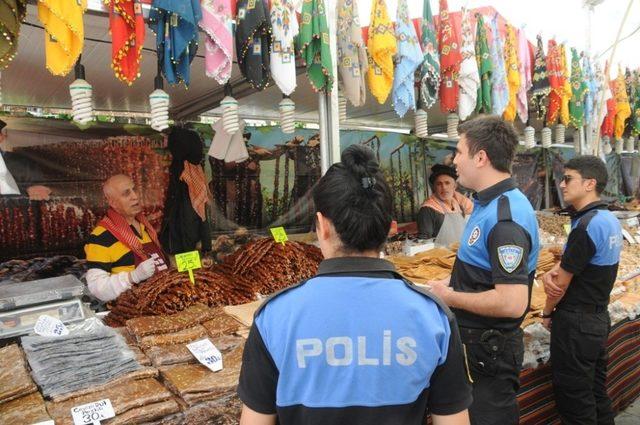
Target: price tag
[279, 235]
[50, 326]
[207, 354]
[188, 262]
[628, 236]
[92, 413]
[49, 422]
[567, 228]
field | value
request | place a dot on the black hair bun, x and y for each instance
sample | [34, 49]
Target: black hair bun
[360, 161]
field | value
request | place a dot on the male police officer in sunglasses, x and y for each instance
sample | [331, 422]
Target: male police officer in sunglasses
[578, 295]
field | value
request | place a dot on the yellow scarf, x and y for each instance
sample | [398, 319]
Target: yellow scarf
[382, 47]
[513, 74]
[566, 87]
[623, 108]
[64, 32]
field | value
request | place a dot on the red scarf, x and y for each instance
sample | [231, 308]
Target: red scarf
[450, 59]
[120, 228]
[127, 32]
[193, 176]
[460, 204]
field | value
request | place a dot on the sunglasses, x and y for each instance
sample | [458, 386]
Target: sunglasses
[567, 178]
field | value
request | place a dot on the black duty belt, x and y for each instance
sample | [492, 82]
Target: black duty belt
[582, 308]
[477, 336]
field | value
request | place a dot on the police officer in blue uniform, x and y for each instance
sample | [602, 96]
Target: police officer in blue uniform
[356, 344]
[578, 291]
[489, 289]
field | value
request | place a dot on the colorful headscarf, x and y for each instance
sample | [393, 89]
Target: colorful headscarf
[499, 88]
[193, 176]
[513, 73]
[382, 47]
[64, 33]
[524, 68]
[176, 27]
[284, 26]
[450, 59]
[430, 70]
[566, 86]
[592, 89]
[555, 81]
[469, 79]
[314, 45]
[352, 54]
[408, 60]
[623, 109]
[485, 67]
[253, 40]
[604, 89]
[608, 127]
[216, 23]
[578, 90]
[540, 84]
[127, 32]
[12, 12]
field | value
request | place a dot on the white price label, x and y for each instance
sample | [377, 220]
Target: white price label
[628, 236]
[50, 326]
[207, 354]
[92, 413]
[49, 422]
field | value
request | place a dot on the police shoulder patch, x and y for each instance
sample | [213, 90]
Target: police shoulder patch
[510, 257]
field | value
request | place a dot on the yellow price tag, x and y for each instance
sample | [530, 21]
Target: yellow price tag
[567, 228]
[188, 262]
[279, 235]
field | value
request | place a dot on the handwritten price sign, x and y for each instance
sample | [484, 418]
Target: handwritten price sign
[188, 262]
[279, 235]
[50, 326]
[207, 354]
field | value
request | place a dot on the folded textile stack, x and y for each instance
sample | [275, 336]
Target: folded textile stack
[133, 402]
[29, 409]
[80, 360]
[15, 381]
[433, 264]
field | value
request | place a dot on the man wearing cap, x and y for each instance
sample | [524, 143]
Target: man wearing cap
[442, 216]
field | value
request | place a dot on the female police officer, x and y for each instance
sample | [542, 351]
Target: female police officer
[356, 344]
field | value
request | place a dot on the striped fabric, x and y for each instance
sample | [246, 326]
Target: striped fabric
[104, 251]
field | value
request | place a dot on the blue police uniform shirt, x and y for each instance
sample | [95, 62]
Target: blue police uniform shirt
[356, 344]
[499, 245]
[592, 254]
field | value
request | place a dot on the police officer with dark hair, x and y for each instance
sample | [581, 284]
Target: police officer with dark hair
[578, 291]
[356, 344]
[494, 269]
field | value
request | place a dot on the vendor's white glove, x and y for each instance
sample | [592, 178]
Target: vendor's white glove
[144, 271]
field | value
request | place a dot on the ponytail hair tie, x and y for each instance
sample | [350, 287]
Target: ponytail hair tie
[368, 182]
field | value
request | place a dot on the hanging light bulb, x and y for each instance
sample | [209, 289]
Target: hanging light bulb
[619, 146]
[631, 144]
[230, 119]
[529, 137]
[159, 101]
[342, 107]
[81, 96]
[421, 123]
[287, 115]
[452, 125]
[545, 136]
[606, 145]
[560, 134]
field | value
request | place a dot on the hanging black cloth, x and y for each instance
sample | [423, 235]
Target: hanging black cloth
[253, 42]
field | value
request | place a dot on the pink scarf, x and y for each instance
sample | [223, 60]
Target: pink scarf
[216, 24]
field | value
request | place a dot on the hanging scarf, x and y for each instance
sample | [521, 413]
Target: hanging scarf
[499, 88]
[12, 12]
[408, 60]
[600, 111]
[314, 45]
[126, 24]
[430, 70]
[218, 40]
[120, 228]
[607, 127]
[284, 25]
[253, 38]
[176, 26]
[636, 107]
[555, 81]
[540, 84]
[193, 177]
[592, 89]
[459, 202]
[469, 79]
[64, 33]
[524, 68]
[566, 86]
[485, 67]
[450, 59]
[513, 73]
[352, 54]
[382, 47]
[623, 109]
[578, 90]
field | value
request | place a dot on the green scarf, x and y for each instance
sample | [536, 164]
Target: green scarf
[485, 67]
[430, 70]
[313, 44]
[636, 104]
[12, 12]
[578, 91]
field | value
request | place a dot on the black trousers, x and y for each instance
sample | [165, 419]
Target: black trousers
[579, 367]
[496, 379]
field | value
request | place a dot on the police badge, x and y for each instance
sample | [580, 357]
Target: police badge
[475, 235]
[510, 257]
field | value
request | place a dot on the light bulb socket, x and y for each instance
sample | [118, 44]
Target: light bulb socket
[79, 71]
[228, 90]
